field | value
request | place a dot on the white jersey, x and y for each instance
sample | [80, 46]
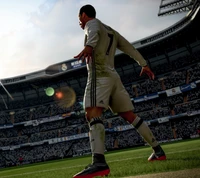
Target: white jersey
[105, 41]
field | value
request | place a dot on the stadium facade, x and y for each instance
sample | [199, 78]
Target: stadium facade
[34, 128]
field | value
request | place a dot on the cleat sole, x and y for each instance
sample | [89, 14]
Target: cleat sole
[93, 175]
[161, 158]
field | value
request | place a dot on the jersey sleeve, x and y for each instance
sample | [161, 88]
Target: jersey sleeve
[130, 50]
[92, 33]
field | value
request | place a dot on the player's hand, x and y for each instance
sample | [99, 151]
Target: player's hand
[147, 70]
[86, 54]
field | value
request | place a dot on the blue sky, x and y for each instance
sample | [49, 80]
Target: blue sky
[37, 33]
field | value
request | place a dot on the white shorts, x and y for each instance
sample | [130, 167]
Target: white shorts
[107, 92]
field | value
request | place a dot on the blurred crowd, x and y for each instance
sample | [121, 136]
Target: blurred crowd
[40, 123]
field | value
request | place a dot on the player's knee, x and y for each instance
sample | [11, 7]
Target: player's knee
[129, 116]
[89, 116]
[94, 112]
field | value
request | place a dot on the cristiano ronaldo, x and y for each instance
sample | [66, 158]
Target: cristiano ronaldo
[104, 89]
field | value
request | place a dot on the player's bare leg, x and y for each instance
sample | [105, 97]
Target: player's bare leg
[146, 133]
[98, 167]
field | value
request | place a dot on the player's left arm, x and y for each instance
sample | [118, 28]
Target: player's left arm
[130, 50]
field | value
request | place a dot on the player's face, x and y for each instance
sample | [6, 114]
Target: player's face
[81, 21]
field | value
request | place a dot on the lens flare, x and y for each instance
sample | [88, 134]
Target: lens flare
[49, 91]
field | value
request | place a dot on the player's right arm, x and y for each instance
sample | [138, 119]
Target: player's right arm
[92, 38]
[92, 33]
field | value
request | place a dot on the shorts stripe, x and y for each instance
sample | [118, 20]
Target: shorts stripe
[93, 83]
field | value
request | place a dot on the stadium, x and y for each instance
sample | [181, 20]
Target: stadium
[35, 130]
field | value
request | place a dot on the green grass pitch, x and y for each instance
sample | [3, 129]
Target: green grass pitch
[128, 162]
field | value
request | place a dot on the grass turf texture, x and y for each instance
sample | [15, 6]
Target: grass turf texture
[128, 162]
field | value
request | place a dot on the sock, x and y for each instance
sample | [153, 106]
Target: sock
[145, 131]
[98, 158]
[97, 139]
[158, 149]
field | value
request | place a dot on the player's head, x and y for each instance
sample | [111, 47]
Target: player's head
[86, 13]
[89, 10]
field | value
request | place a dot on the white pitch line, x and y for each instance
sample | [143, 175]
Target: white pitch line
[49, 170]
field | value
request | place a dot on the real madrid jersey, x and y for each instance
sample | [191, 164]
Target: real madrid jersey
[105, 41]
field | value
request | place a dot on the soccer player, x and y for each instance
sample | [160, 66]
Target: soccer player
[104, 89]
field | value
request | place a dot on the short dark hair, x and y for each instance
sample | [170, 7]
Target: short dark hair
[89, 10]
